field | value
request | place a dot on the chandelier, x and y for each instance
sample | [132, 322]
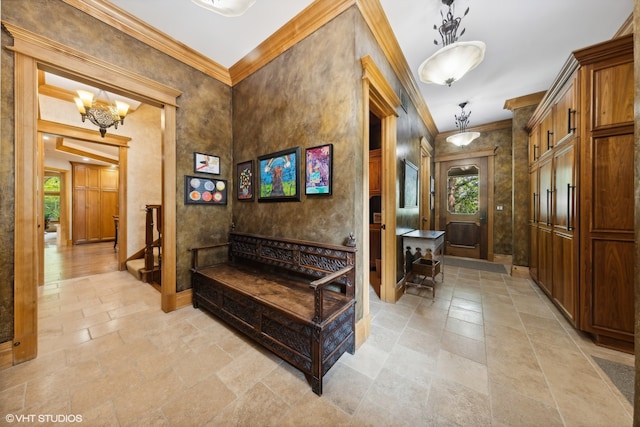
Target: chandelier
[101, 114]
[454, 59]
[463, 137]
[226, 7]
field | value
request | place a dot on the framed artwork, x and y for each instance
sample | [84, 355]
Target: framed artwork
[206, 163]
[319, 164]
[244, 178]
[409, 196]
[279, 176]
[204, 191]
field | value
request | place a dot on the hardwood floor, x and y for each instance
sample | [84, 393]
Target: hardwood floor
[66, 262]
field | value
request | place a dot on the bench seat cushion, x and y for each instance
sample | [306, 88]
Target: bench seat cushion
[287, 294]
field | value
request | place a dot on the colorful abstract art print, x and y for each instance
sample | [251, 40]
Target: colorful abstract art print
[279, 176]
[244, 178]
[204, 191]
[319, 163]
[206, 163]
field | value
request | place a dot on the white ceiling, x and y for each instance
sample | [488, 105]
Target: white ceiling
[527, 41]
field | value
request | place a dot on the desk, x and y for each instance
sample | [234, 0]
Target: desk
[426, 261]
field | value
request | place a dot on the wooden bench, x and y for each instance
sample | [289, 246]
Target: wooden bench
[295, 298]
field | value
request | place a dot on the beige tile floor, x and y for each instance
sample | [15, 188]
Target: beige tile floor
[490, 350]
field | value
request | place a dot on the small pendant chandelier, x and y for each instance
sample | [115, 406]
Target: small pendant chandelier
[463, 137]
[101, 114]
[228, 8]
[454, 59]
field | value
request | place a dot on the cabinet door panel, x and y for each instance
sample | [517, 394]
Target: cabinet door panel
[545, 260]
[613, 90]
[93, 215]
[564, 192]
[79, 215]
[612, 292]
[546, 193]
[533, 253]
[534, 145]
[565, 286]
[108, 208]
[565, 115]
[613, 201]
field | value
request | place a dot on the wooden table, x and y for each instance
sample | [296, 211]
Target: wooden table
[423, 258]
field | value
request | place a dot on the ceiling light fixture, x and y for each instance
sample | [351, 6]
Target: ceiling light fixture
[226, 7]
[454, 59]
[101, 114]
[463, 137]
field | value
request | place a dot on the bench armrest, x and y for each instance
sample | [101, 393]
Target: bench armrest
[194, 261]
[318, 290]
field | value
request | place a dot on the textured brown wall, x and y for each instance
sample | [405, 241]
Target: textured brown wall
[303, 98]
[203, 121]
[502, 180]
[520, 136]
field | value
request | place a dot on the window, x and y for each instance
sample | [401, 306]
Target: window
[463, 183]
[52, 197]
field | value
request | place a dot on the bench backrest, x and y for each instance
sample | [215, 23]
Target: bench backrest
[311, 259]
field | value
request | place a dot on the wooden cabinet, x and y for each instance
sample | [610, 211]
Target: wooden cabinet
[375, 172]
[607, 240]
[95, 202]
[582, 196]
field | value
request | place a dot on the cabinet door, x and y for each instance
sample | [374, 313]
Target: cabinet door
[546, 134]
[546, 192]
[79, 231]
[534, 145]
[564, 269]
[533, 253]
[108, 208]
[545, 241]
[93, 214]
[565, 113]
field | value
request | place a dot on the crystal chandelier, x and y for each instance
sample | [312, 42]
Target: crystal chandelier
[226, 7]
[103, 115]
[463, 137]
[454, 59]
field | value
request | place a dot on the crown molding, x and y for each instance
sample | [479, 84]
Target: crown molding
[112, 15]
[301, 26]
[524, 101]
[379, 25]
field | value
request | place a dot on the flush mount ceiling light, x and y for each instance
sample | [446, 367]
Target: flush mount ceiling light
[103, 114]
[226, 7]
[463, 137]
[454, 59]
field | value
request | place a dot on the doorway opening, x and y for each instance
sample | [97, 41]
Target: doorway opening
[33, 53]
[465, 192]
[375, 202]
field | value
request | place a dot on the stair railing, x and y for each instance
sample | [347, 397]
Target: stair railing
[153, 239]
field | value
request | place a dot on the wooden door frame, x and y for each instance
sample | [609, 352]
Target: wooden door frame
[380, 99]
[490, 155]
[31, 53]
